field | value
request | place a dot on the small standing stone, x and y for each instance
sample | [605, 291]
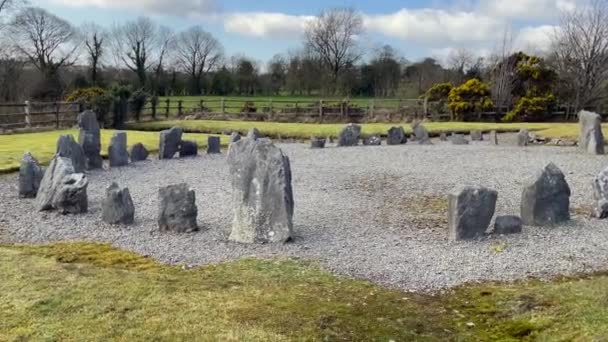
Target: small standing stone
[59, 168]
[117, 151]
[505, 225]
[470, 210]
[177, 209]
[89, 137]
[396, 136]
[591, 138]
[349, 136]
[421, 134]
[600, 194]
[317, 142]
[523, 137]
[188, 149]
[373, 140]
[213, 145]
[68, 147]
[494, 137]
[443, 136]
[254, 134]
[117, 207]
[546, 198]
[476, 135]
[459, 139]
[139, 152]
[170, 141]
[234, 137]
[30, 176]
[71, 196]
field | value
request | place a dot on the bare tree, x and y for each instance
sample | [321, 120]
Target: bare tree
[580, 48]
[134, 46]
[333, 37]
[459, 61]
[503, 72]
[198, 52]
[95, 42]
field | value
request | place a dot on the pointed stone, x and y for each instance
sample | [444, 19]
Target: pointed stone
[546, 198]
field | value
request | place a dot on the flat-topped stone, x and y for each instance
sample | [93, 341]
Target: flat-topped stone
[470, 211]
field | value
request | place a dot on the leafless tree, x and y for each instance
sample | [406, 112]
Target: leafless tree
[198, 52]
[459, 60]
[95, 40]
[580, 48]
[333, 37]
[165, 44]
[503, 72]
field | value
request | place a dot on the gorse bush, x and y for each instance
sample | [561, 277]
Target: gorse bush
[531, 108]
[470, 98]
[439, 92]
[96, 99]
[138, 101]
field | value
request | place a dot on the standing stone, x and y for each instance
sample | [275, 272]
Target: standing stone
[214, 145]
[68, 147]
[349, 136]
[254, 134]
[493, 138]
[421, 134]
[600, 194]
[30, 176]
[188, 149]
[505, 225]
[396, 136]
[59, 168]
[139, 153]
[177, 209]
[262, 196]
[523, 137]
[117, 151]
[443, 136]
[546, 198]
[373, 140]
[234, 137]
[89, 137]
[591, 138]
[317, 142]
[71, 195]
[476, 135]
[117, 207]
[459, 139]
[470, 210]
[170, 141]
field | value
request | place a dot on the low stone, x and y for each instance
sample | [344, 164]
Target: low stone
[170, 142]
[546, 198]
[214, 145]
[234, 137]
[443, 136]
[523, 137]
[349, 136]
[591, 138]
[68, 147]
[600, 194]
[262, 195]
[421, 134]
[494, 137]
[505, 225]
[30, 176]
[117, 151]
[317, 142]
[476, 135]
[117, 207]
[177, 209]
[59, 168]
[373, 140]
[459, 139]
[139, 152]
[89, 137]
[254, 134]
[470, 211]
[396, 136]
[188, 149]
[71, 195]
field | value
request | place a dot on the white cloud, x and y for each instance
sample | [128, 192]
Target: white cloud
[535, 39]
[526, 8]
[266, 24]
[171, 7]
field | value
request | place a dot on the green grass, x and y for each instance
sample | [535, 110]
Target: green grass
[77, 291]
[43, 145]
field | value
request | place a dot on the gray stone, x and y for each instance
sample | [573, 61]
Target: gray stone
[591, 138]
[188, 149]
[214, 145]
[546, 198]
[317, 142]
[421, 134]
[170, 142]
[476, 135]
[117, 207]
[68, 147]
[349, 136]
[470, 211]
[254, 134]
[30, 176]
[459, 139]
[443, 136]
[177, 209]
[396, 136]
[139, 152]
[89, 137]
[600, 194]
[234, 137]
[262, 196]
[71, 195]
[117, 151]
[373, 140]
[494, 138]
[59, 168]
[505, 225]
[523, 137]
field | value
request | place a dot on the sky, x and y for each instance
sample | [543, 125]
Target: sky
[415, 28]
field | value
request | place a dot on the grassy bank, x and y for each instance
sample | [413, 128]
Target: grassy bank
[94, 292]
[43, 145]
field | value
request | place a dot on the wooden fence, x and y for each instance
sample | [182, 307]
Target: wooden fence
[38, 114]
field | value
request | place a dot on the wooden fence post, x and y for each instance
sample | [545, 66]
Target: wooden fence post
[370, 112]
[167, 108]
[223, 106]
[346, 104]
[179, 108]
[271, 112]
[342, 109]
[202, 104]
[28, 118]
[154, 104]
[296, 108]
[321, 110]
[56, 109]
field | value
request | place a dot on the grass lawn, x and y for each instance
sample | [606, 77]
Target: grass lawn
[43, 145]
[77, 291]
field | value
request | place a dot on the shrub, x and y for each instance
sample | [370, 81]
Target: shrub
[138, 102]
[96, 99]
[471, 97]
[249, 107]
[531, 108]
[121, 94]
[439, 92]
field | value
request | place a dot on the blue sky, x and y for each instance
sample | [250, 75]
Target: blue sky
[415, 28]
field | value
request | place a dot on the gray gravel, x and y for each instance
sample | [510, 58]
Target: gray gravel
[369, 212]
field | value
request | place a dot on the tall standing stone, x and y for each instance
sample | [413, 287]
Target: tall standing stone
[30, 176]
[53, 176]
[421, 134]
[71, 195]
[396, 136]
[591, 138]
[476, 135]
[139, 153]
[170, 142]
[177, 209]
[117, 151]
[213, 145]
[349, 136]
[600, 194]
[262, 196]
[117, 207]
[68, 147]
[494, 138]
[546, 198]
[89, 137]
[254, 134]
[523, 137]
[470, 211]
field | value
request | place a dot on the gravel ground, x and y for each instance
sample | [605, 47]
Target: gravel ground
[371, 212]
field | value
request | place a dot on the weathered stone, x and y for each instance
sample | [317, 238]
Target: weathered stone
[71, 195]
[600, 194]
[262, 195]
[234, 137]
[546, 198]
[523, 137]
[317, 142]
[476, 135]
[188, 149]
[177, 210]
[117, 207]
[421, 134]
[170, 142]
[470, 211]
[349, 136]
[117, 151]
[89, 137]
[373, 140]
[30, 176]
[591, 138]
[254, 134]
[505, 225]
[396, 136]
[459, 139]
[139, 153]
[59, 168]
[443, 136]
[494, 137]
[214, 145]
[68, 147]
